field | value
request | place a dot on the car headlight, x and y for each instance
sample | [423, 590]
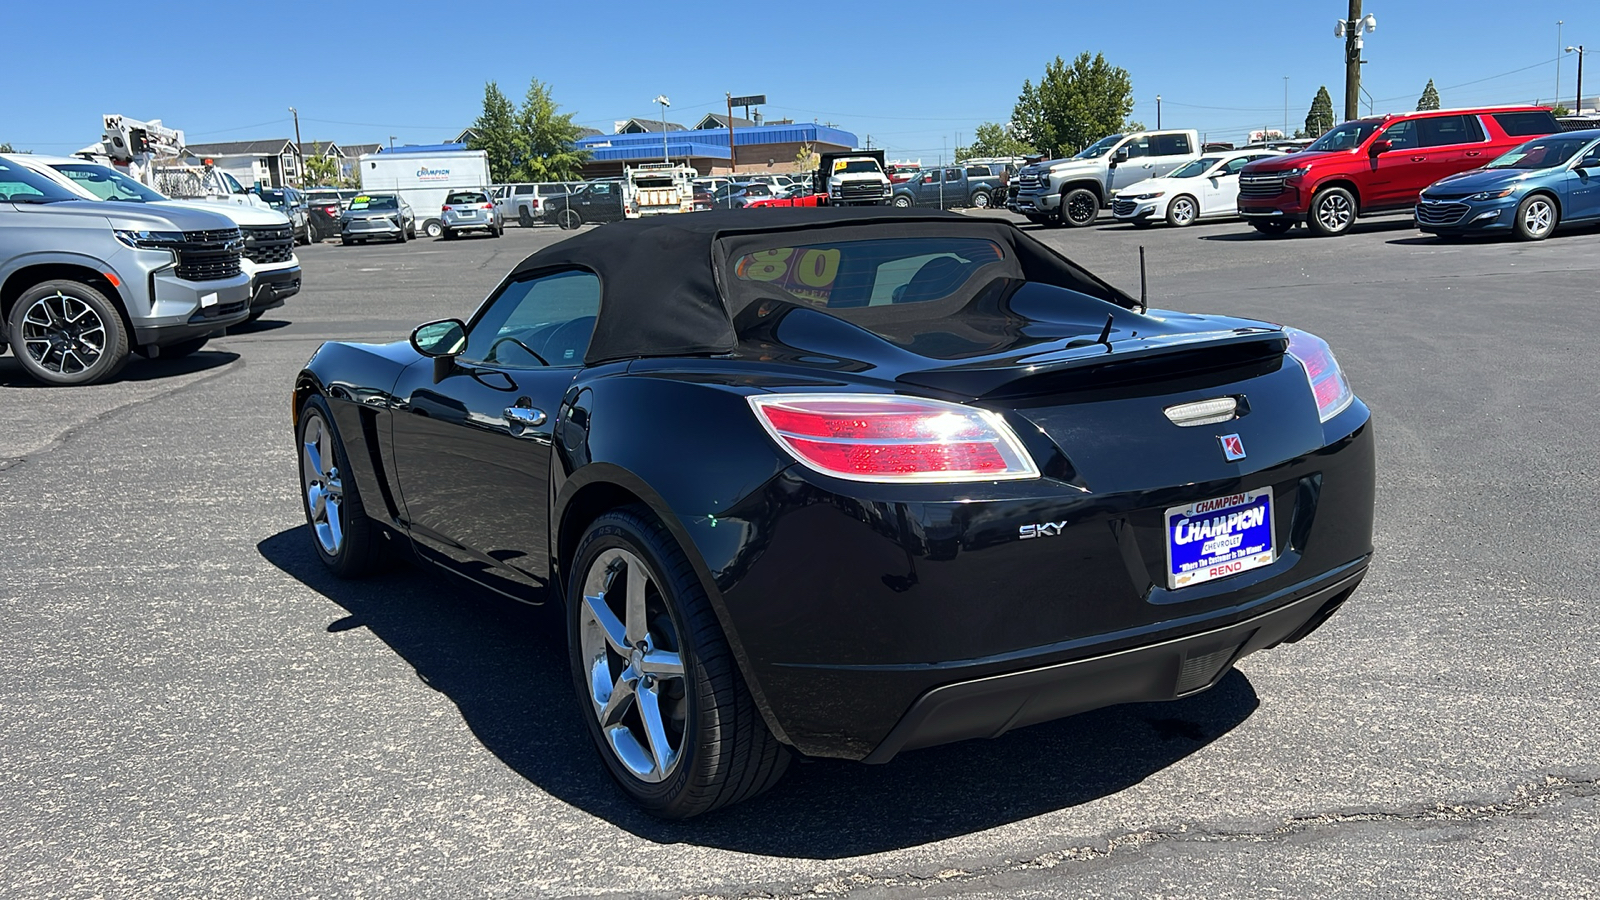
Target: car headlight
[150, 240]
[1151, 196]
[1044, 179]
[1297, 172]
[1493, 195]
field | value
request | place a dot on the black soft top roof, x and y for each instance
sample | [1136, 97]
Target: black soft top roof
[659, 294]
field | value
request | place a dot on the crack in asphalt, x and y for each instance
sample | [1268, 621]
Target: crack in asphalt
[66, 435]
[1524, 800]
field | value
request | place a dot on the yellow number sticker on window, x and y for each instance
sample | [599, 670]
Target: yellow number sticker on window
[817, 268]
[768, 265]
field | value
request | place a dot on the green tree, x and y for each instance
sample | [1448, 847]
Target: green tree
[1073, 106]
[548, 139]
[1560, 110]
[1430, 97]
[496, 132]
[6, 147]
[994, 139]
[1320, 118]
[323, 171]
[806, 158]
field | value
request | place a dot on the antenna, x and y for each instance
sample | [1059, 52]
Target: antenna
[1144, 301]
[1105, 333]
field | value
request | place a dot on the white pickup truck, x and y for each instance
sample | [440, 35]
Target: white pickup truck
[1072, 191]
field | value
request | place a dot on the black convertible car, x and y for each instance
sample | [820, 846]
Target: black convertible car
[846, 483]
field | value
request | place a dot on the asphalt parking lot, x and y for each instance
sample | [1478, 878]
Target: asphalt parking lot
[190, 707]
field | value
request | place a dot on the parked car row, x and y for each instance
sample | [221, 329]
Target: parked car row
[1456, 172]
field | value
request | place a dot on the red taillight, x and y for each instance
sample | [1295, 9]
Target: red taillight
[1328, 383]
[447, 209]
[488, 206]
[331, 210]
[866, 437]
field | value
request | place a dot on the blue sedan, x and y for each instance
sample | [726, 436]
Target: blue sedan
[1548, 181]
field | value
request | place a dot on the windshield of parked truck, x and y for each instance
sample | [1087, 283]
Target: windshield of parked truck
[1544, 153]
[376, 202]
[22, 185]
[1099, 148]
[1196, 168]
[1348, 136]
[234, 187]
[856, 167]
[107, 183]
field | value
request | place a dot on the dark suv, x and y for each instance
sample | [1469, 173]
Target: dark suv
[1377, 165]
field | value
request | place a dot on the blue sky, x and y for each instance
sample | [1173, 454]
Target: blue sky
[916, 77]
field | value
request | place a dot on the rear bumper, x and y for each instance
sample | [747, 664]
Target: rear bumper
[989, 707]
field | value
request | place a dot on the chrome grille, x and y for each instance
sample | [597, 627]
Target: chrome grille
[1028, 181]
[1124, 207]
[1260, 185]
[209, 255]
[1441, 213]
[861, 190]
[267, 244]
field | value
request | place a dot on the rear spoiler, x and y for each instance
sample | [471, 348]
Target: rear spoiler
[1085, 363]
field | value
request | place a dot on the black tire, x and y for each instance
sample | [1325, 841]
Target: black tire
[1183, 211]
[1537, 217]
[725, 752]
[569, 220]
[980, 199]
[67, 333]
[400, 238]
[1078, 209]
[498, 231]
[1036, 219]
[345, 241]
[447, 234]
[1333, 212]
[1273, 227]
[903, 201]
[357, 544]
[524, 218]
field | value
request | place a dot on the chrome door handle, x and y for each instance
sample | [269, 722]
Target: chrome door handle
[525, 416]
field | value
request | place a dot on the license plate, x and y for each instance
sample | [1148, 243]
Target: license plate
[1215, 538]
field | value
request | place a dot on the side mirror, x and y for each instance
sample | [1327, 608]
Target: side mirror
[1122, 154]
[438, 340]
[1379, 147]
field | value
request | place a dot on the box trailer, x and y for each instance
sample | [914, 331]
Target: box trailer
[424, 176]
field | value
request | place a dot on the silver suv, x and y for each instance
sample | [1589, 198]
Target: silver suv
[83, 284]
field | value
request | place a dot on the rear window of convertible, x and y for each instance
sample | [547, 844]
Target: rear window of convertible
[854, 274]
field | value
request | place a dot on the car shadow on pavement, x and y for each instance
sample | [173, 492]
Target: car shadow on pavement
[12, 374]
[258, 326]
[1362, 226]
[504, 665]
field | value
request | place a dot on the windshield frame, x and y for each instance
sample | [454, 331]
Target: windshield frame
[1361, 128]
[1099, 148]
[1520, 153]
[145, 193]
[50, 191]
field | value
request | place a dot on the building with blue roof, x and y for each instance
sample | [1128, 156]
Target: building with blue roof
[756, 148]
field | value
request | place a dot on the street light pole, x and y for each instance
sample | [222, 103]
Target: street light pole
[1286, 106]
[299, 154]
[1351, 30]
[1577, 104]
[1559, 23]
[662, 99]
[1158, 112]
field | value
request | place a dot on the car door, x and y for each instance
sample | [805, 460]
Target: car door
[603, 202]
[1136, 167]
[1449, 144]
[1220, 194]
[472, 449]
[1168, 151]
[1392, 174]
[1583, 187]
[955, 188]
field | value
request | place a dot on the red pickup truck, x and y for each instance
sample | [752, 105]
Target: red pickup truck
[1378, 165]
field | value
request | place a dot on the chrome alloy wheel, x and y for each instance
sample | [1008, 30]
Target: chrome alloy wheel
[1538, 217]
[631, 662]
[1334, 212]
[319, 474]
[63, 334]
[1183, 211]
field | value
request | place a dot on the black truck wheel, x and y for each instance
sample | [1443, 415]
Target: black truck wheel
[67, 333]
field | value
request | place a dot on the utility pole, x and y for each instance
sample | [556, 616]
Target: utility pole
[1559, 44]
[1352, 63]
[1158, 103]
[733, 160]
[1286, 106]
[1577, 104]
[299, 154]
[662, 99]
[391, 142]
